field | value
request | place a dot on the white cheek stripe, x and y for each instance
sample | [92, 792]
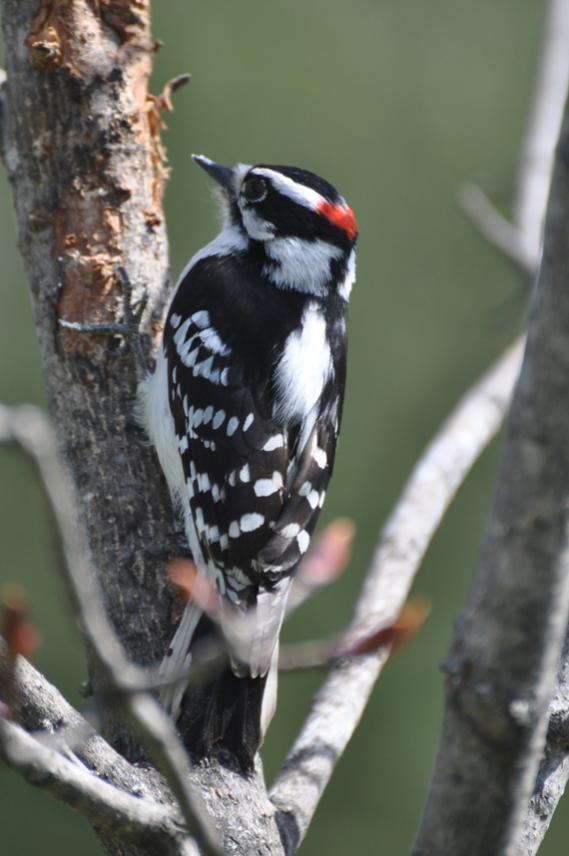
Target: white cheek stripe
[301, 265]
[345, 287]
[257, 228]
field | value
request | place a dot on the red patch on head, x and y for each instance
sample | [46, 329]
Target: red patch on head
[340, 216]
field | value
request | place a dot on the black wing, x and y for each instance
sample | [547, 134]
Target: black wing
[234, 456]
[255, 486]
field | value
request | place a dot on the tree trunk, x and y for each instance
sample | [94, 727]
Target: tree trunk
[81, 146]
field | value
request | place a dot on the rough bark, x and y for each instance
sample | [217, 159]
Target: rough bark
[82, 156]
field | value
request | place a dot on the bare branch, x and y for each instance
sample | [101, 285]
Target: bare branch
[339, 704]
[520, 240]
[553, 771]
[502, 665]
[41, 708]
[2, 84]
[28, 427]
[497, 230]
[543, 127]
[140, 820]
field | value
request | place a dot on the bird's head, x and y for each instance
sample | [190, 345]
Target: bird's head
[306, 228]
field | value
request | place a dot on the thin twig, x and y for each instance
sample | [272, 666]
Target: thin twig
[497, 230]
[542, 128]
[339, 704]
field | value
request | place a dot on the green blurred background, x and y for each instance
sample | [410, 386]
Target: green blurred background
[396, 102]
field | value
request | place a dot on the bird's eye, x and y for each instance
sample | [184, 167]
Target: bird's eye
[254, 189]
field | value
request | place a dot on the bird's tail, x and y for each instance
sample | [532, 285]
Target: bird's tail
[225, 715]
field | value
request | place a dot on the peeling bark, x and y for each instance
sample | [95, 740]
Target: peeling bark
[85, 165]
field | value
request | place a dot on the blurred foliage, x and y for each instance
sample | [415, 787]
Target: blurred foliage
[396, 103]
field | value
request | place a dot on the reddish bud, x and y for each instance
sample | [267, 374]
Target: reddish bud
[329, 555]
[192, 585]
[397, 635]
[20, 635]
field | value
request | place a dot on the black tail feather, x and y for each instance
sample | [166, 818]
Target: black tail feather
[222, 718]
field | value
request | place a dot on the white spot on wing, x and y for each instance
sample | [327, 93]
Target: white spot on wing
[250, 522]
[266, 487]
[320, 457]
[232, 426]
[203, 482]
[201, 319]
[248, 422]
[303, 540]
[290, 531]
[213, 343]
[189, 360]
[218, 419]
[274, 442]
[234, 531]
[204, 369]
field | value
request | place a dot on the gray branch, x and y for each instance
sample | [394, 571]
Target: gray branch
[497, 230]
[502, 666]
[520, 240]
[543, 127]
[158, 827]
[42, 709]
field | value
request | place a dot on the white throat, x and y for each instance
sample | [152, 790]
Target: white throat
[300, 265]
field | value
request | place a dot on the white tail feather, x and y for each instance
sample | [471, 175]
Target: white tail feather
[177, 660]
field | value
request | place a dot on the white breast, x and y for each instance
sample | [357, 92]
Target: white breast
[304, 368]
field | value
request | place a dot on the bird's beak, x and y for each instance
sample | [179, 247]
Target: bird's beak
[222, 174]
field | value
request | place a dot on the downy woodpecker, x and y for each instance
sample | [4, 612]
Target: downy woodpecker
[244, 409]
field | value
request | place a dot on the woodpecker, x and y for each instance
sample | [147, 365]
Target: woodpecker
[244, 410]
